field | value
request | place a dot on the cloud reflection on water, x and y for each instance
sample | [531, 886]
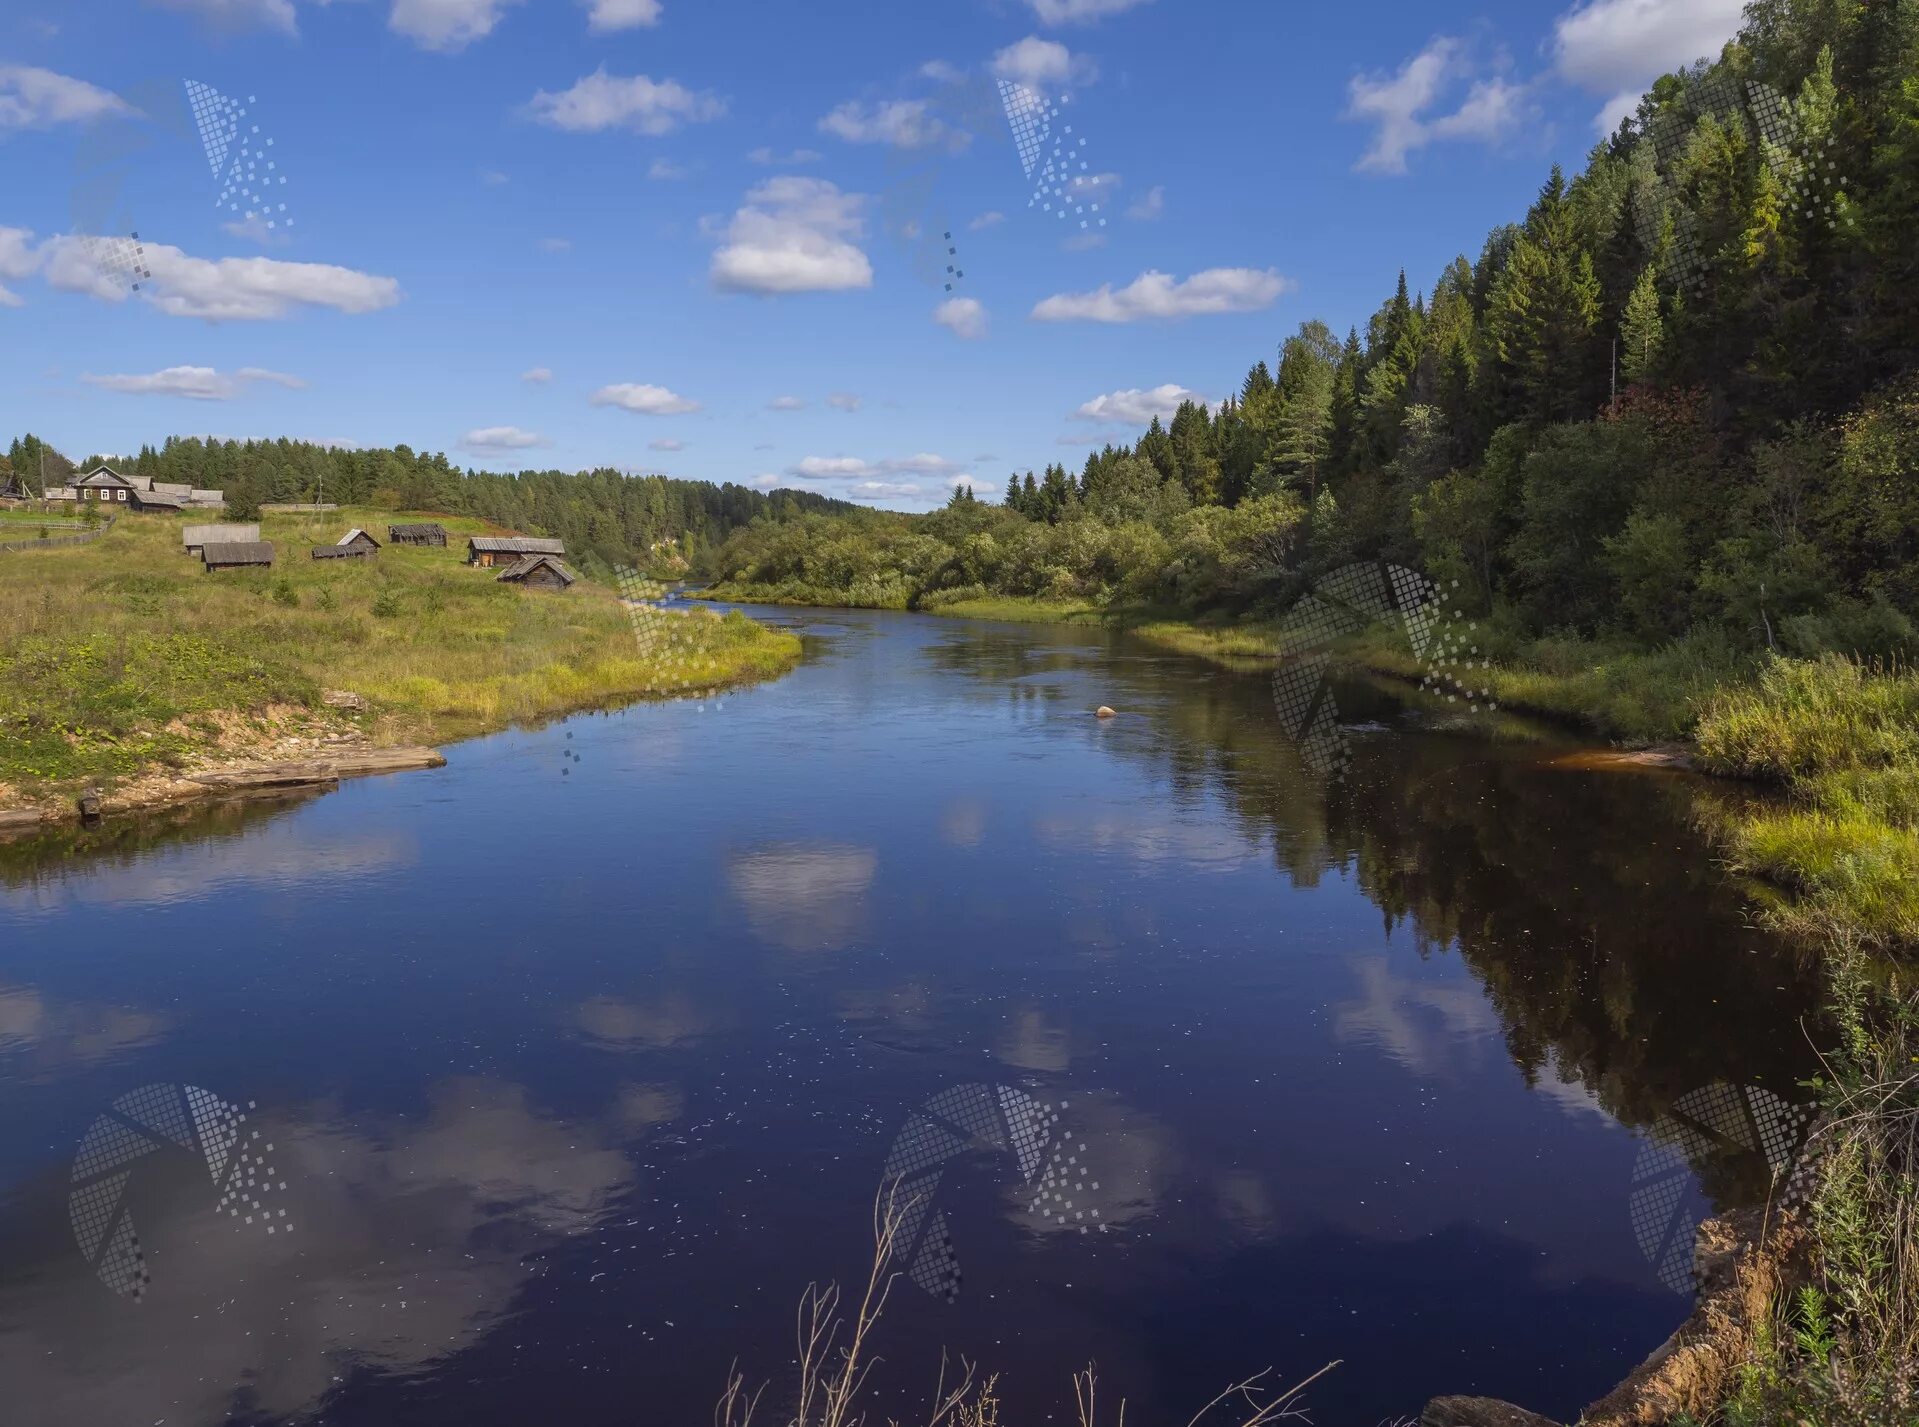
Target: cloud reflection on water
[414, 1238]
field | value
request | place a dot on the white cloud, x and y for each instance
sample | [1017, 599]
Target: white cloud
[1397, 105]
[1493, 109]
[238, 14]
[987, 220]
[196, 383]
[18, 257]
[1083, 242]
[666, 443]
[942, 72]
[646, 400]
[492, 177]
[827, 468]
[774, 159]
[665, 169]
[446, 25]
[556, 245]
[220, 289]
[606, 16]
[1158, 295]
[794, 235]
[258, 229]
[786, 403]
[1042, 64]
[606, 101]
[902, 123]
[962, 316]
[10, 298]
[1134, 407]
[843, 401]
[1076, 12]
[886, 490]
[1150, 206]
[819, 468]
[1618, 47]
[536, 375]
[1092, 187]
[765, 483]
[501, 438]
[33, 98]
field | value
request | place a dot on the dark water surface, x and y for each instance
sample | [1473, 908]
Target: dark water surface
[580, 1058]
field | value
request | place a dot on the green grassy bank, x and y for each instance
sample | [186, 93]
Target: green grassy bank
[124, 656]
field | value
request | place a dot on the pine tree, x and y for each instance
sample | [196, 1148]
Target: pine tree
[1642, 333]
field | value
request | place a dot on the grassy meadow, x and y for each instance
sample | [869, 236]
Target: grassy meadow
[126, 656]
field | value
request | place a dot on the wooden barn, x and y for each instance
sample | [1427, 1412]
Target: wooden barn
[195, 538]
[540, 572]
[358, 539]
[417, 535]
[490, 550]
[342, 552]
[238, 555]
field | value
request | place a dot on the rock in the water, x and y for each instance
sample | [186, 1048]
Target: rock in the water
[90, 804]
[1479, 1412]
[1103, 712]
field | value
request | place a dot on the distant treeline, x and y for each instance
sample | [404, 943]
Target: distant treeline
[1746, 280]
[603, 515]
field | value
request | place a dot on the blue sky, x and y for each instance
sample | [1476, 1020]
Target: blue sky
[703, 238]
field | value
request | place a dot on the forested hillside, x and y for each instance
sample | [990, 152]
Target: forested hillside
[602, 514]
[1677, 398]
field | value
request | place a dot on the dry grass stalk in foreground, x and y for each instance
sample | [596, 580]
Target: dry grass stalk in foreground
[831, 1378]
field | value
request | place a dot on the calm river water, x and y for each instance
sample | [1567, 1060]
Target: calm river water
[573, 1063]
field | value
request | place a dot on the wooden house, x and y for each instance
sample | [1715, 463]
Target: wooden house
[342, 552]
[238, 555]
[357, 539]
[195, 538]
[490, 550]
[102, 483]
[417, 535]
[541, 572]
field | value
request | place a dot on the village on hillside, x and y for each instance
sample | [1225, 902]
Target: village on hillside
[535, 562]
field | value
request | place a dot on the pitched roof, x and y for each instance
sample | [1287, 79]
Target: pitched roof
[516, 545]
[239, 552]
[396, 531]
[214, 534]
[339, 552]
[102, 475]
[525, 566]
[352, 535]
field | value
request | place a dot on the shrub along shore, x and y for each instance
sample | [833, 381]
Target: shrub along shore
[125, 659]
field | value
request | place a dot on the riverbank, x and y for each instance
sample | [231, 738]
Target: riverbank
[124, 662]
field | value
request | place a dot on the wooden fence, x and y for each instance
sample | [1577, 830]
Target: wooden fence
[54, 542]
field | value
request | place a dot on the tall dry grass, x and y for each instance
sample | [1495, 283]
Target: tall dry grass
[836, 1356]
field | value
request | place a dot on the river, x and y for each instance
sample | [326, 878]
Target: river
[573, 1063]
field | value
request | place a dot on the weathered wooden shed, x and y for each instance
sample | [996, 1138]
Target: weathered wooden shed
[238, 554]
[417, 535]
[491, 550]
[358, 539]
[194, 538]
[541, 572]
[342, 552]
